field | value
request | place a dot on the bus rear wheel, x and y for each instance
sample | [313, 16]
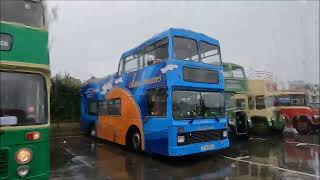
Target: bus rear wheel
[134, 140]
[93, 131]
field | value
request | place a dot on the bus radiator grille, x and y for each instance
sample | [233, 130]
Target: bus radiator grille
[201, 136]
[3, 164]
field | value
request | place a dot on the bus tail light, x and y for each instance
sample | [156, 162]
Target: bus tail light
[31, 136]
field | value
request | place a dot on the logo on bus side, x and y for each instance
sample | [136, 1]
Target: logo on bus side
[5, 42]
[152, 80]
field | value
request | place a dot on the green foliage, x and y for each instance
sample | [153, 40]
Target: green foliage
[65, 98]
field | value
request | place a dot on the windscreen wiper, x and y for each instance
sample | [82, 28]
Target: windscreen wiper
[217, 119]
[193, 117]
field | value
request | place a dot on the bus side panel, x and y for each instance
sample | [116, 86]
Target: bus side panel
[114, 128]
[86, 120]
[157, 142]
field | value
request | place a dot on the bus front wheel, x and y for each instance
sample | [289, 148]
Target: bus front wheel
[303, 125]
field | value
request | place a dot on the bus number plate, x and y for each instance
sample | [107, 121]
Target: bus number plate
[207, 147]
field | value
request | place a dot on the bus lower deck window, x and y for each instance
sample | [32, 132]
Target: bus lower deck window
[157, 102]
[114, 107]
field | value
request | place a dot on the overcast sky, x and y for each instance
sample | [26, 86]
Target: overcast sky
[88, 38]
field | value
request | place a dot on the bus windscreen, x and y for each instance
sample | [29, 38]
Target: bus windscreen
[23, 99]
[194, 104]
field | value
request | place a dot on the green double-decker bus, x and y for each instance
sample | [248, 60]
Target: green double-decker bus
[236, 99]
[24, 91]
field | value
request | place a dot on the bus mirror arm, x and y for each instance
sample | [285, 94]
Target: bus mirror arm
[145, 119]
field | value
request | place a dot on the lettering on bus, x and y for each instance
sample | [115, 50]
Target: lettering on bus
[135, 83]
[5, 42]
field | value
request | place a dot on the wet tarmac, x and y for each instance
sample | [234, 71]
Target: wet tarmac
[272, 157]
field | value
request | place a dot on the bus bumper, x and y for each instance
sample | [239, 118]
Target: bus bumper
[38, 177]
[198, 147]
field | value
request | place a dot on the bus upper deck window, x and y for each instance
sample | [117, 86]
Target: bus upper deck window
[210, 54]
[156, 52]
[131, 63]
[185, 49]
[28, 12]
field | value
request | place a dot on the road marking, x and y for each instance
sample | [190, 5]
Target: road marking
[242, 157]
[301, 144]
[81, 160]
[256, 138]
[60, 137]
[269, 165]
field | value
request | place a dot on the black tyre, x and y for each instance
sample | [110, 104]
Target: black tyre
[244, 136]
[278, 130]
[134, 141]
[303, 125]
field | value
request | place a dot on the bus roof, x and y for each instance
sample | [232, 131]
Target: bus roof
[230, 65]
[172, 32]
[292, 92]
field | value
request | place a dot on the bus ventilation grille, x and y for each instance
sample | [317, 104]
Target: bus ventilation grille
[3, 164]
[201, 136]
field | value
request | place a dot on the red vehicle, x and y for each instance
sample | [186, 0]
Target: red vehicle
[292, 109]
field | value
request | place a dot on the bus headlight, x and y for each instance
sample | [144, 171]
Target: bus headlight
[316, 116]
[23, 170]
[225, 134]
[250, 123]
[23, 156]
[181, 139]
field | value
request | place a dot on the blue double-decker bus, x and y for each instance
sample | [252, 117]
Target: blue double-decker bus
[166, 98]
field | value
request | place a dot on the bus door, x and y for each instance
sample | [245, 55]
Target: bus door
[155, 121]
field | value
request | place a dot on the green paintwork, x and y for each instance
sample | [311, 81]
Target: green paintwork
[12, 140]
[30, 45]
[29, 49]
[236, 85]
[230, 113]
[233, 85]
[278, 123]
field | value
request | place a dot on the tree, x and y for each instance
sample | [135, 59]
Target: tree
[65, 98]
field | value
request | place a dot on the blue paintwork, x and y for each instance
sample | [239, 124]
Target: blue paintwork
[160, 133]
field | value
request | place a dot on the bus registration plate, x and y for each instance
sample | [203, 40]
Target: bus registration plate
[207, 147]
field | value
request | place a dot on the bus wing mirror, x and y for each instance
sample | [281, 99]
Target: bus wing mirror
[145, 119]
